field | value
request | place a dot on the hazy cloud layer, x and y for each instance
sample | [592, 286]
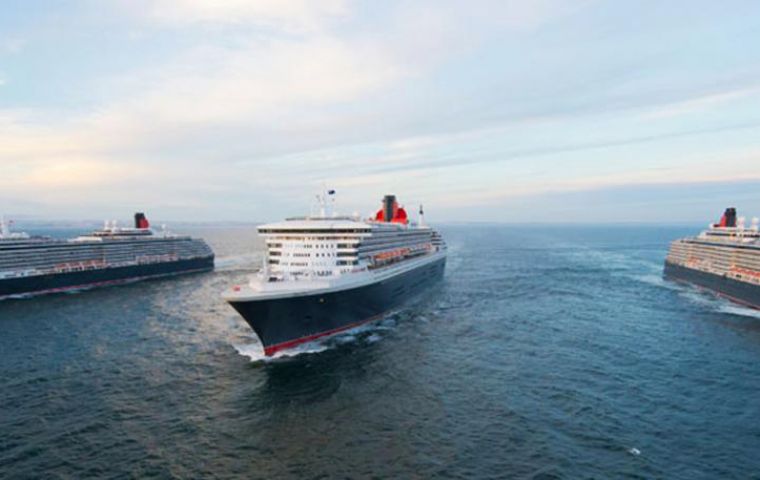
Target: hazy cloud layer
[237, 110]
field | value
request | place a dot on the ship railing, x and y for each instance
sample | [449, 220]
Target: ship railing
[79, 266]
[85, 265]
[745, 274]
[20, 273]
[167, 257]
[395, 256]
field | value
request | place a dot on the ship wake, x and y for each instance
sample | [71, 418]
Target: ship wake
[370, 333]
[243, 262]
[716, 303]
[739, 310]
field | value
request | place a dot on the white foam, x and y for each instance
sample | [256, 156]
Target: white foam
[354, 334]
[387, 323]
[374, 338]
[621, 264]
[250, 350]
[238, 262]
[344, 338]
[719, 304]
[699, 297]
[255, 351]
[657, 281]
[739, 310]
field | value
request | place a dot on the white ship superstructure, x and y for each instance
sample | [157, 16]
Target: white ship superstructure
[322, 251]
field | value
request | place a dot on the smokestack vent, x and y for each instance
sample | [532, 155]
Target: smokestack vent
[730, 217]
[389, 207]
[141, 221]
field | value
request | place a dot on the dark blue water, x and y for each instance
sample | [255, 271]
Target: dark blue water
[545, 353]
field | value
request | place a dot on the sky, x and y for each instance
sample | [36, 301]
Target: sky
[489, 111]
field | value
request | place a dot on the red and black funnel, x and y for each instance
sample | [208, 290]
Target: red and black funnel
[141, 221]
[729, 218]
[391, 212]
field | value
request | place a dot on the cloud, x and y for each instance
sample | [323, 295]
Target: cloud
[263, 86]
[700, 103]
[67, 173]
[287, 15]
[266, 80]
[162, 119]
[675, 203]
[235, 101]
[740, 167]
[11, 46]
[477, 149]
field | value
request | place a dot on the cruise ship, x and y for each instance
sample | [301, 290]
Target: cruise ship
[33, 265]
[724, 259]
[326, 273]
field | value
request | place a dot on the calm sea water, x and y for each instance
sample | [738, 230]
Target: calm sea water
[545, 353]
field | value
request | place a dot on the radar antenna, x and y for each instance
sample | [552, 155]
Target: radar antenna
[326, 202]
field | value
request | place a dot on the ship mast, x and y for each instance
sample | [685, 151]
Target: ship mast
[4, 230]
[326, 202]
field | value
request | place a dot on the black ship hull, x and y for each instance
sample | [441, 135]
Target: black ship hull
[740, 292]
[60, 282]
[286, 322]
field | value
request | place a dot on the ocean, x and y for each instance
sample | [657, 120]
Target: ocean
[546, 352]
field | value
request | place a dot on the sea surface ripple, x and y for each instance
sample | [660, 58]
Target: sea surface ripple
[546, 353]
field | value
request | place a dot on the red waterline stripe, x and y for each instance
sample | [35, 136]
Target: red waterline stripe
[272, 349]
[99, 284]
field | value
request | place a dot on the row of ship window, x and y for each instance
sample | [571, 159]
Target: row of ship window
[317, 246]
[715, 262]
[308, 255]
[363, 249]
[368, 241]
[109, 255]
[331, 238]
[377, 234]
[74, 248]
[274, 261]
[711, 252]
[94, 252]
[267, 231]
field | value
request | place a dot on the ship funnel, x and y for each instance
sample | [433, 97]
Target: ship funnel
[389, 207]
[729, 218]
[141, 221]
